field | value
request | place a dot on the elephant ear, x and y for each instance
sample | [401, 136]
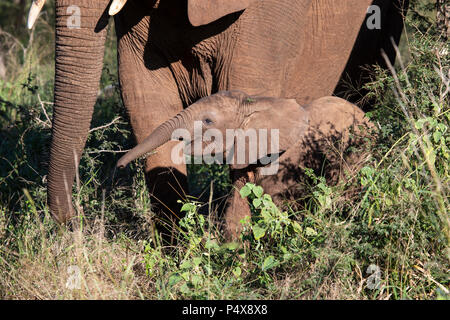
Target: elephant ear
[202, 12]
[279, 124]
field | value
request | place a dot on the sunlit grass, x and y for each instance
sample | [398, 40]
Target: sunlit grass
[393, 213]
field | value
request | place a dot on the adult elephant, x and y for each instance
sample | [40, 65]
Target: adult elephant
[173, 52]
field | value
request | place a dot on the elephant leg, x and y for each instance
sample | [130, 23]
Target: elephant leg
[151, 97]
[166, 182]
[237, 208]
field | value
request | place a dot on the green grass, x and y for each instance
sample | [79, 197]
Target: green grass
[393, 213]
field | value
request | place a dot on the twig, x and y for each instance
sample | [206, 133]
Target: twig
[43, 109]
[108, 151]
[105, 126]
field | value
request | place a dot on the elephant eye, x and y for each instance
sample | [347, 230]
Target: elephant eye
[179, 138]
[207, 121]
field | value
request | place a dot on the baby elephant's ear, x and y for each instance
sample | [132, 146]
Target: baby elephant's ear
[284, 117]
[278, 124]
[202, 12]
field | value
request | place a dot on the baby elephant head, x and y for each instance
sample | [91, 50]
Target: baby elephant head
[230, 126]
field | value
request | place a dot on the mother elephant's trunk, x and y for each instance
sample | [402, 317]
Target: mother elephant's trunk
[158, 137]
[80, 39]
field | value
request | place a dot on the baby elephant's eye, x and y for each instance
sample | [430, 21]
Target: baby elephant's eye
[207, 121]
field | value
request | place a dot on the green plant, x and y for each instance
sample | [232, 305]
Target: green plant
[267, 218]
[392, 214]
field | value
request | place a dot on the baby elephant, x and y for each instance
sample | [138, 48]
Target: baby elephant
[267, 141]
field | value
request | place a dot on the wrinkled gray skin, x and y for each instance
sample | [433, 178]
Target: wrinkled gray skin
[173, 52]
[307, 137]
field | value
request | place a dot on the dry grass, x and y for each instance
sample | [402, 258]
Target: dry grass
[397, 219]
[79, 264]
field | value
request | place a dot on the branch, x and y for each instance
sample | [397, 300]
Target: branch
[105, 126]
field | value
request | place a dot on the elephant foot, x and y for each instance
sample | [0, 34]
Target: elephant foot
[237, 208]
[63, 219]
[166, 186]
[62, 212]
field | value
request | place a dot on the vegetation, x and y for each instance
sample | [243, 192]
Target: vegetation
[382, 234]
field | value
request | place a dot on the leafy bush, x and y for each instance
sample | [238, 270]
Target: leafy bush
[381, 234]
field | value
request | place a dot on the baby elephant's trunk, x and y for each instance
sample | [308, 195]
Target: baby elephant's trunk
[158, 137]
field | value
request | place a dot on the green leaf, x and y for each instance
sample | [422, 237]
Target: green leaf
[208, 269]
[211, 244]
[437, 136]
[258, 232]
[269, 263]
[231, 246]
[185, 275]
[310, 232]
[174, 279]
[419, 123]
[186, 265]
[245, 191]
[197, 261]
[367, 171]
[297, 227]
[187, 207]
[197, 280]
[287, 256]
[185, 289]
[237, 272]
[258, 191]
[257, 202]
[442, 127]
[265, 214]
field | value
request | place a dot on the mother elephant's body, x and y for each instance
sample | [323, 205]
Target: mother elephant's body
[282, 48]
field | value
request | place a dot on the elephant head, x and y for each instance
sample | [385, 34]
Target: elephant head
[226, 123]
[311, 127]
[80, 39]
